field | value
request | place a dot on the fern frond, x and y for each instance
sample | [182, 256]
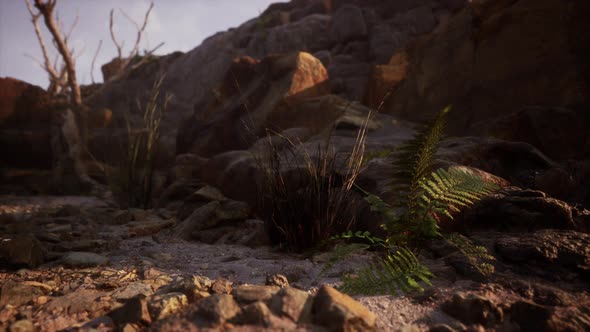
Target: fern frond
[340, 252]
[416, 157]
[400, 271]
[478, 256]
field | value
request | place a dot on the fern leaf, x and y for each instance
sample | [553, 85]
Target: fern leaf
[400, 271]
[340, 252]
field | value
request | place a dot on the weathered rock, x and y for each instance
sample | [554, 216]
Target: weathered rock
[252, 293]
[473, 309]
[281, 83]
[132, 290]
[277, 280]
[21, 250]
[294, 304]
[17, 294]
[217, 308]
[340, 312]
[22, 325]
[348, 23]
[135, 310]
[162, 306]
[221, 286]
[461, 65]
[83, 259]
[547, 251]
[524, 210]
[193, 287]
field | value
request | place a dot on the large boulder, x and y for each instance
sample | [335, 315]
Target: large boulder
[496, 57]
[255, 96]
[26, 114]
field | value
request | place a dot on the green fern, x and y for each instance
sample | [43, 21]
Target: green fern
[360, 235]
[340, 252]
[400, 271]
[424, 197]
[478, 256]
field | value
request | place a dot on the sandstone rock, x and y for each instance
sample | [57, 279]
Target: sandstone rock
[256, 313]
[22, 250]
[460, 65]
[217, 308]
[558, 250]
[135, 310]
[17, 294]
[162, 306]
[277, 280]
[283, 82]
[132, 290]
[294, 304]
[340, 312]
[473, 309]
[22, 325]
[252, 293]
[515, 209]
[83, 259]
[531, 317]
[26, 113]
[348, 23]
[221, 286]
[193, 287]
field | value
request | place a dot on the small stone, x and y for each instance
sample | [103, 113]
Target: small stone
[122, 217]
[162, 306]
[17, 294]
[24, 250]
[277, 280]
[293, 303]
[340, 312]
[83, 259]
[194, 287]
[132, 290]
[208, 194]
[253, 293]
[221, 286]
[217, 308]
[22, 326]
[531, 316]
[473, 309]
[256, 313]
[133, 311]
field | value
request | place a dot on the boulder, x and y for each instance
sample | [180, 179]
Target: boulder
[254, 97]
[340, 312]
[26, 116]
[465, 64]
[21, 250]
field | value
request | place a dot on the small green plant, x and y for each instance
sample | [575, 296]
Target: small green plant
[477, 256]
[132, 182]
[424, 198]
[398, 271]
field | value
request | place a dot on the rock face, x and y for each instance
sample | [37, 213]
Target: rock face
[25, 125]
[496, 59]
[255, 96]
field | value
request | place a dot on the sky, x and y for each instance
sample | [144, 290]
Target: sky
[181, 24]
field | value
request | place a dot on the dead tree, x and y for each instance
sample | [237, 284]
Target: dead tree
[45, 9]
[69, 134]
[58, 79]
[124, 62]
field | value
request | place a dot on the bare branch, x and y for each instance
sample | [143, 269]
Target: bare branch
[119, 47]
[94, 60]
[72, 27]
[39, 62]
[140, 30]
[35, 20]
[155, 48]
[46, 8]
